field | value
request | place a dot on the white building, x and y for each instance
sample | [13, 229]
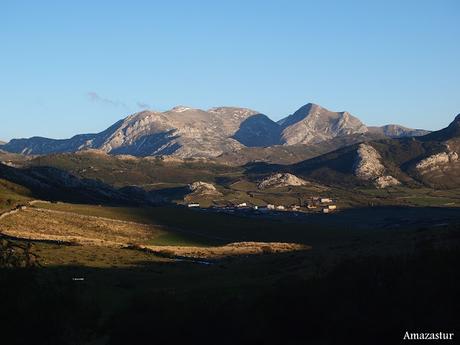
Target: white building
[193, 205]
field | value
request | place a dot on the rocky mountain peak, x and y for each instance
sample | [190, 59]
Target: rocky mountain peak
[313, 124]
[301, 113]
[309, 108]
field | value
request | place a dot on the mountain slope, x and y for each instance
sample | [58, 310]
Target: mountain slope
[451, 132]
[371, 163]
[431, 160]
[54, 184]
[290, 154]
[186, 132]
[121, 171]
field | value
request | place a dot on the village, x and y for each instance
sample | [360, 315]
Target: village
[317, 204]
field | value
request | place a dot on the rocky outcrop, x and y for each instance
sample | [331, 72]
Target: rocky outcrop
[436, 162]
[203, 189]
[369, 167]
[281, 180]
[386, 181]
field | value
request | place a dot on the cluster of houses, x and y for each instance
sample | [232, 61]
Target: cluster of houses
[315, 204]
[327, 205]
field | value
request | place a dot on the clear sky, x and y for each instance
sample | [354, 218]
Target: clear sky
[69, 67]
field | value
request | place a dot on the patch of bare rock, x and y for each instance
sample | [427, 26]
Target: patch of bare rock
[368, 166]
[203, 188]
[281, 180]
[436, 161]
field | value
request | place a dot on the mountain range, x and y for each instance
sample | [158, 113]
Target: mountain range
[430, 160]
[187, 132]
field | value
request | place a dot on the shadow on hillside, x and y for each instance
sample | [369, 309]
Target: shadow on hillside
[367, 300]
[53, 184]
[258, 131]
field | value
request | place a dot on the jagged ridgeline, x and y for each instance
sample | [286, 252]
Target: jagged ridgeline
[186, 132]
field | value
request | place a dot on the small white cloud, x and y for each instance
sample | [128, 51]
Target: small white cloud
[143, 105]
[94, 97]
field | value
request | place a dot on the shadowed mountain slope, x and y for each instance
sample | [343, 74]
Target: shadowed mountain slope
[53, 184]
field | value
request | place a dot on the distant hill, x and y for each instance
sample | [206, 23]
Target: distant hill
[396, 131]
[187, 132]
[148, 172]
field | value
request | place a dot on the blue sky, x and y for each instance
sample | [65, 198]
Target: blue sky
[77, 67]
